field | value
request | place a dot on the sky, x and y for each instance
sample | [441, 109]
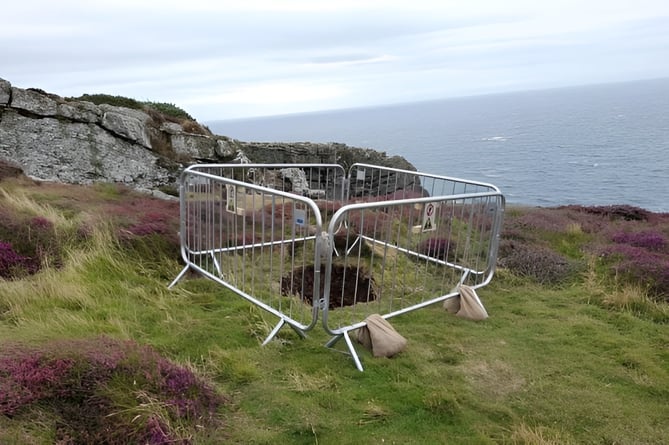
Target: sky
[236, 59]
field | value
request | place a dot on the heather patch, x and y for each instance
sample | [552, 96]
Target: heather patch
[141, 216]
[542, 264]
[107, 391]
[27, 243]
[649, 240]
[638, 257]
[639, 265]
[39, 234]
[13, 264]
[615, 212]
[632, 244]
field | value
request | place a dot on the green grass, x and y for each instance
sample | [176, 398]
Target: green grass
[586, 362]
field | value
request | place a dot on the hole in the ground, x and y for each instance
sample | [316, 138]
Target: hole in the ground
[348, 285]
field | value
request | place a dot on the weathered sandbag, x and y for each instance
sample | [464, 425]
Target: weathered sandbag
[452, 305]
[466, 305]
[380, 337]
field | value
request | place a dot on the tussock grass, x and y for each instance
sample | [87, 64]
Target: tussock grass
[22, 202]
[524, 434]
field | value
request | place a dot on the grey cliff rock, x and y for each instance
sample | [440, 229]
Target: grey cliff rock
[56, 139]
[5, 92]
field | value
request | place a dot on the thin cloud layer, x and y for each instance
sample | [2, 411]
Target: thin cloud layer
[224, 59]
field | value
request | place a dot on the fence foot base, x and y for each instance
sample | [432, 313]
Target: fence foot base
[278, 327]
[349, 344]
[179, 277]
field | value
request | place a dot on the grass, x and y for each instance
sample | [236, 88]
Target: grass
[582, 360]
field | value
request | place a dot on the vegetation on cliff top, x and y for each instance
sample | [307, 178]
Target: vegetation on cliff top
[167, 109]
[95, 349]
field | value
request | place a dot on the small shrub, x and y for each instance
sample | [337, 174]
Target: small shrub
[169, 109]
[191, 126]
[542, 264]
[117, 101]
[615, 212]
[638, 265]
[546, 220]
[149, 225]
[648, 240]
[33, 238]
[13, 264]
[107, 391]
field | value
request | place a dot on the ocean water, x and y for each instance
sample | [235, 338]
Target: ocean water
[591, 145]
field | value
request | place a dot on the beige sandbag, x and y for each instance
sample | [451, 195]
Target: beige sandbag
[452, 305]
[380, 337]
[466, 305]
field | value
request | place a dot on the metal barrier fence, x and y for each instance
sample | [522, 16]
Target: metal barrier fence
[300, 239]
[240, 228]
[404, 241]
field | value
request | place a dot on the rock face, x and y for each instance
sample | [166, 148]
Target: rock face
[55, 139]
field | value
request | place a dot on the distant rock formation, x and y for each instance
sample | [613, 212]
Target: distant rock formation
[63, 140]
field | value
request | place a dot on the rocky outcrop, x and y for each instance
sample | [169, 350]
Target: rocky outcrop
[56, 139]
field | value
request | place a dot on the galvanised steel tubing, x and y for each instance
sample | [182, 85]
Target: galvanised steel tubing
[185, 251]
[324, 302]
[340, 192]
[421, 255]
[336, 167]
[392, 203]
[250, 246]
[195, 170]
[342, 332]
[184, 217]
[425, 175]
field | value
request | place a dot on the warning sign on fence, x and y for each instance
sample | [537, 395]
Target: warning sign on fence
[300, 217]
[428, 217]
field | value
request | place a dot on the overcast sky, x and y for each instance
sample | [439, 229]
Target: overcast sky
[230, 59]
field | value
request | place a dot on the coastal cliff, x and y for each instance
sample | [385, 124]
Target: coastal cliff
[57, 139]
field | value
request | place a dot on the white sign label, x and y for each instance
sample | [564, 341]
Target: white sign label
[428, 217]
[300, 217]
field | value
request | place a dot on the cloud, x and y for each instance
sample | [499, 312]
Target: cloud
[254, 57]
[278, 93]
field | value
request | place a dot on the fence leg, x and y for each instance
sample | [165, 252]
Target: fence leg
[278, 327]
[354, 354]
[216, 265]
[181, 274]
[274, 331]
[333, 341]
[349, 344]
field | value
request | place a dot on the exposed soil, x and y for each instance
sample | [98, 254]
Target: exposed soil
[343, 281]
[9, 170]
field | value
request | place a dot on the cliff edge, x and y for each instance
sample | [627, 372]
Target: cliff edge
[75, 141]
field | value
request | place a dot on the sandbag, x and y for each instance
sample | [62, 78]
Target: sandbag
[452, 305]
[380, 337]
[466, 305]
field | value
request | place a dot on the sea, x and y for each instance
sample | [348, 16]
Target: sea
[591, 145]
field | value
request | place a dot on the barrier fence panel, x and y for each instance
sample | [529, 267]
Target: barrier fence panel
[252, 229]
[299, 239]
[408, 240]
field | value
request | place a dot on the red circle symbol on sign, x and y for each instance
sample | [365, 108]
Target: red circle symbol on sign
[430, 210]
